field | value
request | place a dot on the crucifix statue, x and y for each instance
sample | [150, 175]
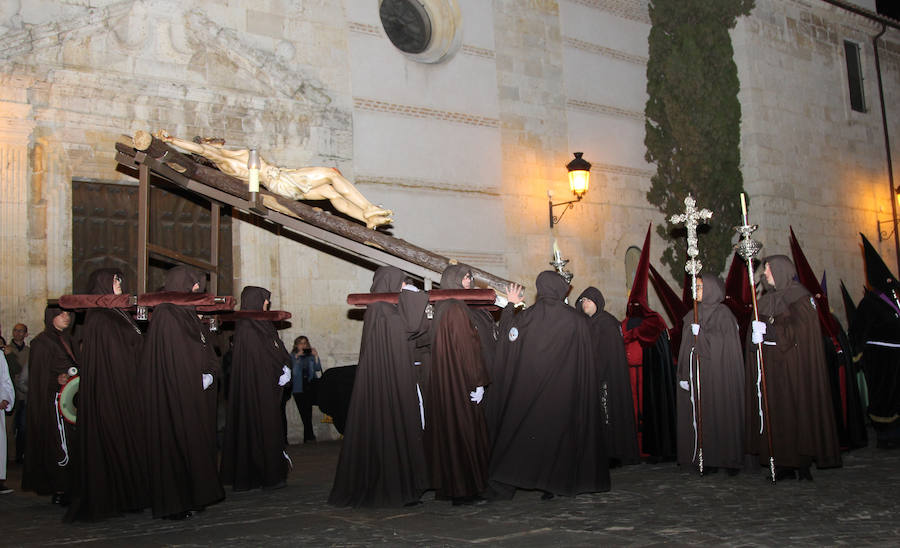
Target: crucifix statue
[692, 266]
[305, 183]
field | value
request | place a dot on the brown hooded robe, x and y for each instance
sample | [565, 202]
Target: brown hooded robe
[456, 436]
[802, 421]
[179, 415]
[550, 433]
[612, 366]
[253, 448]
[382, 461]
[113, 470]
[718, 353]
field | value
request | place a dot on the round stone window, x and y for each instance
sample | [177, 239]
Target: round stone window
[427, 31]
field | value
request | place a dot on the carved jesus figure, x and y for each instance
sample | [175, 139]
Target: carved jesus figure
[305, 183]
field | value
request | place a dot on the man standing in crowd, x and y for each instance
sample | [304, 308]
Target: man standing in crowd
[612, 366]
[711, 383]
[799, 398]
[253, 449]
[178, 371]
[382, 461]
[550, 434]
[20, 350]
[50, 454]
[112, 468]
[876, 333]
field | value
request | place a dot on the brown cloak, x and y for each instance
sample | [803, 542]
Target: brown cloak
[252, 452]
[612, 366]
[720, 357]
[179, 415]
[456, 435]
[113, 472]
[550, 432]
[52, 353]
[382, 461]
[802, 421]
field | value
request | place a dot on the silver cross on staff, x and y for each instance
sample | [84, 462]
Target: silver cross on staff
[690, 218]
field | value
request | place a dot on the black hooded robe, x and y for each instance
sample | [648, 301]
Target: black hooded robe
[253, 447]
[113, 470]
[876, 333]
[720, 357]
[179, 414]
[799, 397]
[382, 461]
[49, 465]
[550, 433]
[612, 366]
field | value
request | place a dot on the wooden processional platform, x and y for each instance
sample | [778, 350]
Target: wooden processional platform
[160, 161]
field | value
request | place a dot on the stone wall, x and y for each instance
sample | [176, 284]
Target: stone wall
[809, 160]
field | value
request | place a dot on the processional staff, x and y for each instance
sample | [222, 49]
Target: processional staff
[692, 266]
[747, 248]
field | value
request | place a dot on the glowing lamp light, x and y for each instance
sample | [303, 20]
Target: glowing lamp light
[579, 175]
[579, 180]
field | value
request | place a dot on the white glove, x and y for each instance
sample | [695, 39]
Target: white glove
[684, 384]
[207, 380]
[476, 395]
[695, 329]
[759, 329]
[285, 376]
[407, 287]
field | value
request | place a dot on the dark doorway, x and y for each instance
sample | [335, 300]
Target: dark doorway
[105, 231]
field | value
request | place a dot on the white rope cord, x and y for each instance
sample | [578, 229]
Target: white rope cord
[61, 426]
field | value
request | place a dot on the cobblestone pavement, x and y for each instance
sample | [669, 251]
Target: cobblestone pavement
[648, 505]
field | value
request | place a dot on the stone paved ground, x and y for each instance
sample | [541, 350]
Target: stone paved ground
[648, 505]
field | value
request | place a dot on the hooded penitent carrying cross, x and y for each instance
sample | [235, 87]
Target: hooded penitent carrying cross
[690, 218]
[748, 248]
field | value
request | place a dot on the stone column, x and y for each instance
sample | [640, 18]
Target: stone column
[16, 125]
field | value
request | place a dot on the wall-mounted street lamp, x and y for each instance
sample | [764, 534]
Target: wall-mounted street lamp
[579, 180]
[882, 235]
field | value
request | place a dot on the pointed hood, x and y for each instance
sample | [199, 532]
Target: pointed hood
[806, 277]
[824, 283]
[849, 305]
[637, 299]
[738, 294]
[676, 307]
[878, 275]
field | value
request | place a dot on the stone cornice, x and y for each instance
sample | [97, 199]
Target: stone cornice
[423, 184]
[616, 54]
[414, 111]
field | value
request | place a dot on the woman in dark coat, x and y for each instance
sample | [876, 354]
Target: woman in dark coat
[612, 366]
[113, 472]
[382, 461]
[717, 352]
[253, 450]
[50, 451]
[801, 418]
[178, 372]
[456, 435]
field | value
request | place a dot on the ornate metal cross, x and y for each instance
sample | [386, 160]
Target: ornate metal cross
[690, 218]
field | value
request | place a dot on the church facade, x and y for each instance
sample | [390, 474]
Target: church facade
[461, 131]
